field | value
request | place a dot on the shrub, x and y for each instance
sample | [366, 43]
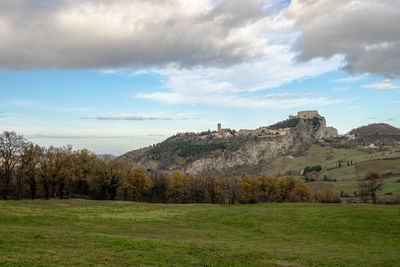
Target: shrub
[328, 196]
[301, 193]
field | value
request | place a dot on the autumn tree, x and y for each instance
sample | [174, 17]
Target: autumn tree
[138, 184]
[100, 179]
[232, 189]
[12, 146]
[176, 189]
[268, 188]
[328, 196]
[213, 190]
[65, 170]
[300, 192]
[159, 190]
[195, 189]
[84, 170]
[115, 171]
[249, 188]
[44, 172]
[27, 170]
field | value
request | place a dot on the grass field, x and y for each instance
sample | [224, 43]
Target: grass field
[346, 176]
[318, 155]
[393, 188]
[93, 233]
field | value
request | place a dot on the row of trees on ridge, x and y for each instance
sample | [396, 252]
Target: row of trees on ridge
[30, 171]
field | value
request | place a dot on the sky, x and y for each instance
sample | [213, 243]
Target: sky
[116, 75]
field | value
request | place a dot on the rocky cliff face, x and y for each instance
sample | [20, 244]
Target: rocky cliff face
[229, 152]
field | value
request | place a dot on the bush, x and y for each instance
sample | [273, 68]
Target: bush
[301, 193]
[316, 168]
[328, 196]
[388, 200]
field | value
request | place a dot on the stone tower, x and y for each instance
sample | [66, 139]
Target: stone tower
[219, 127]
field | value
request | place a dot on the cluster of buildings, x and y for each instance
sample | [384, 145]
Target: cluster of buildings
[260, 132]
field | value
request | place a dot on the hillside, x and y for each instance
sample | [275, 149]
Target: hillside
[229, 152]
[377, 133]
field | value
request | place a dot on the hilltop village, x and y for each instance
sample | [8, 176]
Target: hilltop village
[279, 129]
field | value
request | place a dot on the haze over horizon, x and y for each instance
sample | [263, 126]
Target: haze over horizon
[115, 75]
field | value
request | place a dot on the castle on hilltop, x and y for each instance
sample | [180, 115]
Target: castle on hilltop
[322, 131]
[307, 114]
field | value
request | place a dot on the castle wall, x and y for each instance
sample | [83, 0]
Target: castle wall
[309, 114]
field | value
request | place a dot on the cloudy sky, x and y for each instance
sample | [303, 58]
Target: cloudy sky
[115, 75]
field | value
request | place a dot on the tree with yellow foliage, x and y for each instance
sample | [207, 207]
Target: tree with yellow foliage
[176, 189]
[268, 188]
[328, 196]
[301, 192]
[249, 188]
[138, 184]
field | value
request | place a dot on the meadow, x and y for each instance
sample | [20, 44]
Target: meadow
[95, 233]
[343, 179]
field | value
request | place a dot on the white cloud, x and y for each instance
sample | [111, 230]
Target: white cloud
[75, 34]
[238, 85]
[384, 85]
[365, 31]
[138, 73]
[128, 118]
[104, 34]
[287, 95]
[109, 71]
[282, 95]
[351, 79]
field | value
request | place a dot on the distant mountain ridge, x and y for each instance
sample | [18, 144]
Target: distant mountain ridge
[106, 156]
[376, 133]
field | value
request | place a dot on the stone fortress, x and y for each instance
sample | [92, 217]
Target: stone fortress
[323, 132]
[307, 114]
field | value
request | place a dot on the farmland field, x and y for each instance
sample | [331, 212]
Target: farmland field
[83, 232]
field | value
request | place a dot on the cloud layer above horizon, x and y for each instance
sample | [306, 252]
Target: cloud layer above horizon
[74, 34]
[94, 34]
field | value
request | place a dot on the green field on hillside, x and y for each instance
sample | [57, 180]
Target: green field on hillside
[325, 156]
[390, 186]
[347, 175]
[93, 233]
[393, 188]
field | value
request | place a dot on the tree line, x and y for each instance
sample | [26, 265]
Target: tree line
[30, 171]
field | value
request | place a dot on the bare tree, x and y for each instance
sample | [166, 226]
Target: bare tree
[26, 171]
[370, 184]
[11, 148]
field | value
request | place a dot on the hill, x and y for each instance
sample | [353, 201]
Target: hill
[377, 133]
[229, 152]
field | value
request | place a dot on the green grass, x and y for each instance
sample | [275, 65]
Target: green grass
[390, 186]
[381, 166]
[393, 188]
[93, 233]
[346, 176]
[348, 188]
[318, 155]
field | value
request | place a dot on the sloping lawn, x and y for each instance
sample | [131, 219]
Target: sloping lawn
[94, 233]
